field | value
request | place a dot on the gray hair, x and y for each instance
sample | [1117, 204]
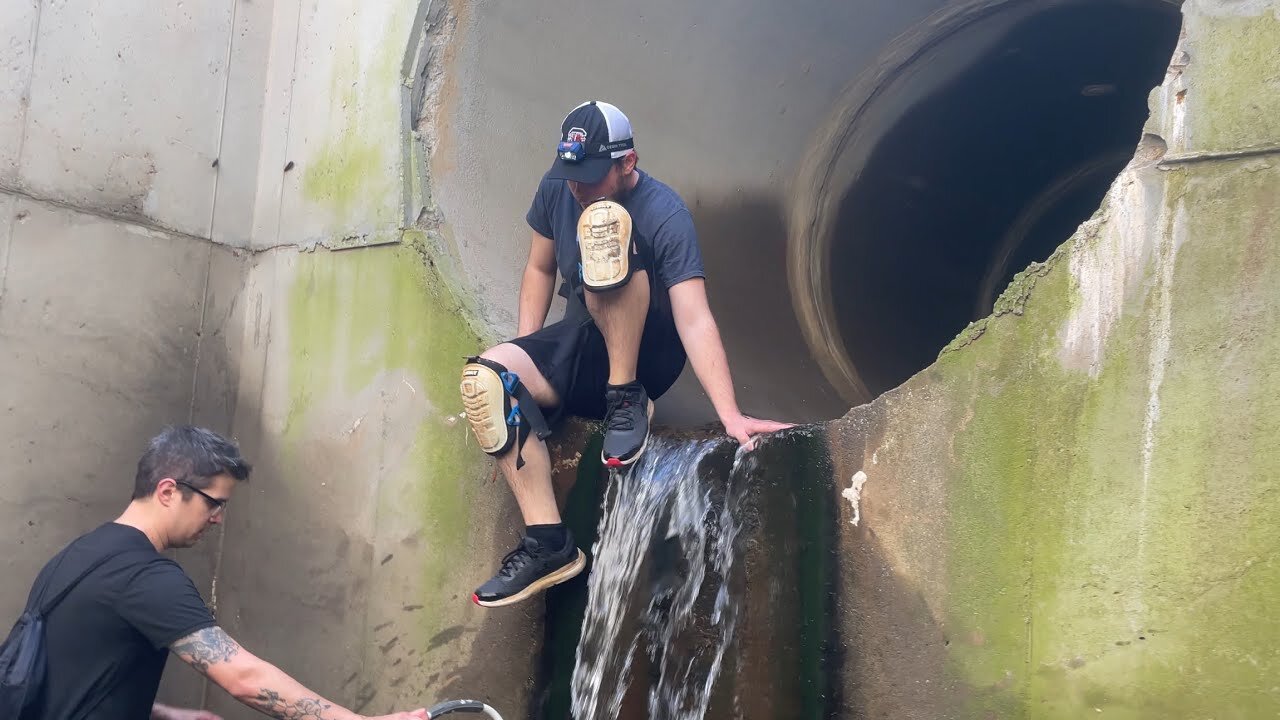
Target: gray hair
[191, 454]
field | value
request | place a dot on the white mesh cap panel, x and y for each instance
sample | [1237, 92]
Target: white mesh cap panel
[618, 124]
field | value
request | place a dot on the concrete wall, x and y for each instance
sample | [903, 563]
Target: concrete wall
[108, 331]
[166, 175]
[354, 557]
[113, 303]
[1072, 513]
[359, 539]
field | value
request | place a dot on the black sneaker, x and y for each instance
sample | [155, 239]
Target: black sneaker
[529, 569]
[626, 424]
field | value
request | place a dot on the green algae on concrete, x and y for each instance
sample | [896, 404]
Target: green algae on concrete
[1233, 75]
[343, 167]
[1157, 514]
[357, 315]
[1012, 300]
[1216, 445]
[1004, 454]
[1112, 538]
[1112, 527]
[354, 174]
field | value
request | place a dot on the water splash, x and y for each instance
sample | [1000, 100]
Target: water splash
[661, 583]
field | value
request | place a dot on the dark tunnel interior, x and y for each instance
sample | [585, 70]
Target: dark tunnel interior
[989, 174]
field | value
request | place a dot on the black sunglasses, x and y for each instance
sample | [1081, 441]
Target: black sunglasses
[217, 505]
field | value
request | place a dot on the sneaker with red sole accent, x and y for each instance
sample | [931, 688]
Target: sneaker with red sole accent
[626, 424]
[529, 569]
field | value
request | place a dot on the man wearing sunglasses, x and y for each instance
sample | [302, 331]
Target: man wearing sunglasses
[625, 247]
[126, 606]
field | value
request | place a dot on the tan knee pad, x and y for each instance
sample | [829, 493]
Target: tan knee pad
[487, 405]
[604, 245]
[487, 390]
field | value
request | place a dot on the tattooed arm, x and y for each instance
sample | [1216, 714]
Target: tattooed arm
[259, 684]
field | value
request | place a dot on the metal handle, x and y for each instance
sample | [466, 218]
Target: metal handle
[462, 706]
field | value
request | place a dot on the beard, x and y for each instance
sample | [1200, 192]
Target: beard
[624, 189]
[625, 186]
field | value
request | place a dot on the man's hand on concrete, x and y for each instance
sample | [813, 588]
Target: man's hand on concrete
[744, 429]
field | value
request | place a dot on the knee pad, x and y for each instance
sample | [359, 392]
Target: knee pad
[487, 390]
[604, 246]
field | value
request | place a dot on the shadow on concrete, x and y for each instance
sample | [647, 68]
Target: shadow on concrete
[744, 249]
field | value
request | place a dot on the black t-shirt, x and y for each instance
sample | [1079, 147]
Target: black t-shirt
[108, 640]
[661, 230]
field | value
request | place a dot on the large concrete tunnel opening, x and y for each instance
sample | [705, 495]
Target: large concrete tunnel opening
[977, 156]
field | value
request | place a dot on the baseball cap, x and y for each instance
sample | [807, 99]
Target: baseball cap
[591, 137]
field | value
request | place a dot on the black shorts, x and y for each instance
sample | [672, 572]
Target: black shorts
[572, 356]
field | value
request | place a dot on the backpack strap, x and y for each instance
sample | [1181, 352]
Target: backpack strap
[44, 608]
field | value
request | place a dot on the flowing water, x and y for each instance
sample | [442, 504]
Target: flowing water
[661, 590]
[712, 583]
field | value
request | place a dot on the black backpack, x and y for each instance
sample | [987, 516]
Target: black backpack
[22, 656]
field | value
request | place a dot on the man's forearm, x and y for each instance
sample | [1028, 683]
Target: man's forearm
[254, 681]
[536, 288]
[270, 691]
[701, 340]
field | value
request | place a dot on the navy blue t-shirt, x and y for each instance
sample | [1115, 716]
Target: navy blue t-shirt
[661, 230]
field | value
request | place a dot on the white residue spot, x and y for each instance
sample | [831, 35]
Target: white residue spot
[853, 494]
[356, 425]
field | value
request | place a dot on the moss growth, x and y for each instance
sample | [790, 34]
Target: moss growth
[355, 316]
[1216, 545]
[806, 469]
[1232, 100]
[1014, 298]
[354, 173]
[338, 176]
[971, 332]
[1081, 575]
[1005, 455]
[1012, 301]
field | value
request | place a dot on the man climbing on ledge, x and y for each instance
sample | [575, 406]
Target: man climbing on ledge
[625, 246]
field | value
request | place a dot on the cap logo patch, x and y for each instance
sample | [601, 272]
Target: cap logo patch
[576, 135]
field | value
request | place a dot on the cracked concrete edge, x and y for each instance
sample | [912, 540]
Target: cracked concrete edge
[135, 220]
